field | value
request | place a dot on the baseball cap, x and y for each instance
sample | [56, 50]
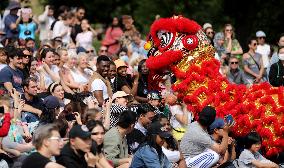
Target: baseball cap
[119, 63]
[158, 129]
[119, 94]
[260, 34]
[206, 25]
[51, 102]
[218, 123]
[80, 131]
[154, 95]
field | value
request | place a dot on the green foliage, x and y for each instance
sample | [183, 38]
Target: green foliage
[246, 16]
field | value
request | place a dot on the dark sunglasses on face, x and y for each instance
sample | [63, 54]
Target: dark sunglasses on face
[254, 44]
[168, 124]
[261, 37]
[90, 51]
[210, 32]
[28, 56]
[228, 30]
[103, 50]
[97, 133]
[234, 62]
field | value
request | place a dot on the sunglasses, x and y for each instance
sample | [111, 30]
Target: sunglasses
[27, 56]
[210, 32]
[228, 30]
[261, 37]
[254, 44]
[234, 62]
[103, 50]
[97, 133]
[90, 51]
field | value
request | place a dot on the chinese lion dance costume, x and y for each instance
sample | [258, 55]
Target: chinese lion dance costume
[179, 44]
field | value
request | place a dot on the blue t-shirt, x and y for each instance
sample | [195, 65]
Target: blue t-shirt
[27, 30]
[9, 19]
[16, 77]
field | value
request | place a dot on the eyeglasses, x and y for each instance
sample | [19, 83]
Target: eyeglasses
[27, 56]
[228, 30]
[90, 51]
[210, 32]
[234, 62]
[59, 139]
[98, 133]
[168, 124]
[103, 50]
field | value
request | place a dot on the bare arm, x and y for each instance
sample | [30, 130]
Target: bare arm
[106, 110]
[141, 99]
[221, 148]
[55, 77]
[31, 109]
[259, 164]
[99, 96]
[53, 165]
[8, 86]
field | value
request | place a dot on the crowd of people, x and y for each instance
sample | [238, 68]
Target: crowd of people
[65, 104]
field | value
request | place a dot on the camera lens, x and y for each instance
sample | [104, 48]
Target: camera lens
[27, 32]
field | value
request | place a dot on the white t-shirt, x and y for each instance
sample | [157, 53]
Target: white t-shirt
[264, 50]
[85, 39]
[173, 156]
[2, 66]
[176, 109]
[59, 28]
[98, 84]
[47, 78]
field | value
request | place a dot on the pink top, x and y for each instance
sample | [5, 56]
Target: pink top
[111, 39]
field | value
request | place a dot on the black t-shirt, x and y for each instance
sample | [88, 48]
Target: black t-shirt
[35, 160]
[76, 29]
[70, 159]
[37, 103]
[142, 89]
[118, 83]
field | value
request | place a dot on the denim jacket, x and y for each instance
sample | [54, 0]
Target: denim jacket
[147, 157]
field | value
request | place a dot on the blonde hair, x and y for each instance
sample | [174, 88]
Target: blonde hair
[60, 50]
[81, 55]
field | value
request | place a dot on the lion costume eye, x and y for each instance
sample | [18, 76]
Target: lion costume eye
[166, 39]
[190, 42]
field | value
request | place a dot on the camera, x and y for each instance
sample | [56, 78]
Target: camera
[27, 32]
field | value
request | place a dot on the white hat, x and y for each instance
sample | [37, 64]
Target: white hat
[260, 34]
[119, 94]
[206, 25]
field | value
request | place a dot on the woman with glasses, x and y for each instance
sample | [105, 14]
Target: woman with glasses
[253, 64]
[231, 43]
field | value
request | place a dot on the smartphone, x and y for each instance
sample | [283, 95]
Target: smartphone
[2, 109]
[229, 119]
[70, 117]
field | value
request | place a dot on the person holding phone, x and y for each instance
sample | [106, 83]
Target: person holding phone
[197, 146]
[26, 25]
[216, 131]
